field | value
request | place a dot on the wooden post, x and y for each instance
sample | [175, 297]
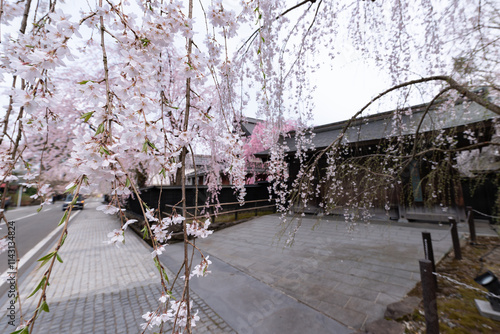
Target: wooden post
[472, 226]
[429, 252]
[429, 296]
[454, 238]
[19, 196]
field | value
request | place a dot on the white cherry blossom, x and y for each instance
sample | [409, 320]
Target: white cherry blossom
[116, 237]
[108, 209]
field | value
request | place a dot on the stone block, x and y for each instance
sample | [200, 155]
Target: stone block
[486, 310]
[402, 308]
[383, 326]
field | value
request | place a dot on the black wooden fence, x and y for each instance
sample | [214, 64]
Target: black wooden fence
[168, 198]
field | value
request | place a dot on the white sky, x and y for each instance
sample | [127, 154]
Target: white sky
[344, 87]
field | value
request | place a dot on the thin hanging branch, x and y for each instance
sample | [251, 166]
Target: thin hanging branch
[187, 267]
[252, 37]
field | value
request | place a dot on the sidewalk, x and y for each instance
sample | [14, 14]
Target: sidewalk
[248, 304]
[100, 288]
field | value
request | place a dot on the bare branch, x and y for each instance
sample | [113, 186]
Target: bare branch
[452, 83]
[254, 34]
[295, 7]
[417, 132]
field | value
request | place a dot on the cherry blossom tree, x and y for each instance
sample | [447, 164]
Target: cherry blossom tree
[136, 86]
[448, 62]
[263, 137]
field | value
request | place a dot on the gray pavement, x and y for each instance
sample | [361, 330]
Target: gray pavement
[334, 279]
[100, 288]
[249, 305]
[334, 271]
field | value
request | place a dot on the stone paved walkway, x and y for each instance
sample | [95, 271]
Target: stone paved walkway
[347, 274]
[100, 288]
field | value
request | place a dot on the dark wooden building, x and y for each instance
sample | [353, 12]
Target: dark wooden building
[410, 192]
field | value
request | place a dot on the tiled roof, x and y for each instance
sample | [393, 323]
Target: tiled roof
[248, 124]
[396, 123]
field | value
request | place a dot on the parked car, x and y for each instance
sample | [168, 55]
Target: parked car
[79, 204]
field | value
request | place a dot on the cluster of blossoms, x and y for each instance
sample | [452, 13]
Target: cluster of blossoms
[199, 229]
[117, 236]
[201, 270]
[278, 175]
[160, 229]
[177, 313]
[6, 163]
[221, 17]
[8, 178]
[108, 209]
[42, 191]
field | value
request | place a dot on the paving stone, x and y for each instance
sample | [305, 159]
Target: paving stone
[369, 308]
[388, 288]
[345, 316]
[386, 299]
[383, 326]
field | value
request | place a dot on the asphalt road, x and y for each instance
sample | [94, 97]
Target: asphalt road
[34, 232]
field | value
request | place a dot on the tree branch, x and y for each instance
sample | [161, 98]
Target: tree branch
[452, 83]
[254, 34]
[414, 150]
[295, 7]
